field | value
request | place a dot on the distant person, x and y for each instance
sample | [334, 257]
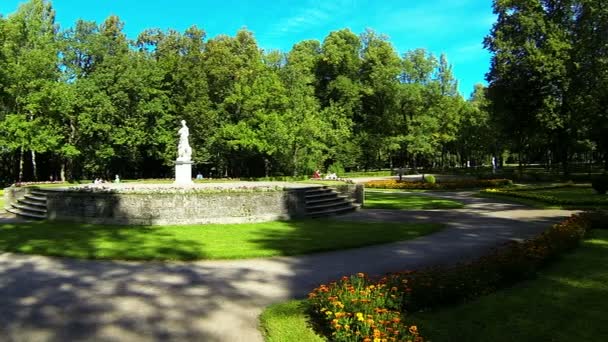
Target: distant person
[199, 176]
[316, 174]
[117, 179]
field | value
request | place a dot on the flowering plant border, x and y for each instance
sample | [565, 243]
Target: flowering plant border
[463, 184]
[359, 308]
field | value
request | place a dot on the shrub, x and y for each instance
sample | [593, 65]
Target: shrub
[336, 168]
[358, 308]
[600, 184]
[429, 179]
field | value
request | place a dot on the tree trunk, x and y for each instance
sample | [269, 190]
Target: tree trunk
[34, 168]
[21, 165]
[62, 172]
[521, 168]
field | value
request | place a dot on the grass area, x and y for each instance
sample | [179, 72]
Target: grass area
[287, 322]
[524, 201]
[212, 241]
[404, 201]
[363, 174]
[566, 302]
[553, 197]
[1, 199]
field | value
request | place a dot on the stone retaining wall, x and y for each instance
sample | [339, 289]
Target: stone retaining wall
[174, 208]
[12, 194]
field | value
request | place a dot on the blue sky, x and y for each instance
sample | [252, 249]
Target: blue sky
[456, 27]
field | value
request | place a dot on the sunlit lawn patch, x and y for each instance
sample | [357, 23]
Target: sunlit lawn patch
[396, 200]
[213, 241]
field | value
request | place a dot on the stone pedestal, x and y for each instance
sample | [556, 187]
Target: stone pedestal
[183, 172]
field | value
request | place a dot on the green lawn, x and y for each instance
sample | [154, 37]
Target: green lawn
[213, 241]
[558, 197]
[285, 322]
[404, 201]
[567, 301]
[1, 199]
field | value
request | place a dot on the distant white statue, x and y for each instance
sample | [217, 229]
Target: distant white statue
[184, 152]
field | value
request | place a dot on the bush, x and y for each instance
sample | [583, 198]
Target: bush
[358, 308]
[336, 168]
[429, 179]
[600, 184]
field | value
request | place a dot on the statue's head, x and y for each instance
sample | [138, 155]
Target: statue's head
[183, 122]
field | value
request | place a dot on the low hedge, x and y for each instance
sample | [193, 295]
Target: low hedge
[358, 308]
[529, 193]
[463, 184]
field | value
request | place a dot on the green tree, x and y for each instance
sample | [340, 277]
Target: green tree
[30, 53]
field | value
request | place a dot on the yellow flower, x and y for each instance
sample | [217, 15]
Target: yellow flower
[414, 330]
[360, 316]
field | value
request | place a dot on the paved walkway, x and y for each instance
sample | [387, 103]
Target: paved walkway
[54, 299]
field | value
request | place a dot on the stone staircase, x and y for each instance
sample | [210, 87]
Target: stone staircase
[325, 201]
[31, 207]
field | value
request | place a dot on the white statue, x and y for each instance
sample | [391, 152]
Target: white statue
[184, 152]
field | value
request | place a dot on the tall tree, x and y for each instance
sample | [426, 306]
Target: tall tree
[31, 55]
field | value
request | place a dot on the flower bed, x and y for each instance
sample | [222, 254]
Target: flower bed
[463, 184]
[358, 308]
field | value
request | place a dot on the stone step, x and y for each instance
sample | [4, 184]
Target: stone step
[24, 214]
[27, 208]
[319, 189]
[33, 203]
[39, 194]
[325, 200]
[320, 195]
[40, 199]
[331, 206]
[336, 211]
[328, 204]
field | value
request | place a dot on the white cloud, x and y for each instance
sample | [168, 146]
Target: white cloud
[311, 14]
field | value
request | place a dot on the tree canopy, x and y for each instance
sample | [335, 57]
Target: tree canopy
[86, 101]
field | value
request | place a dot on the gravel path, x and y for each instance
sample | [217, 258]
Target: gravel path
[54, 299]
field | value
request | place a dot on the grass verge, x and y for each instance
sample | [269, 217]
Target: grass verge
[287, 322]
[404, 201]
[212, 241]
[566, 301]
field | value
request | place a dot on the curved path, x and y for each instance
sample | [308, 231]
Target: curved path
[55, 299]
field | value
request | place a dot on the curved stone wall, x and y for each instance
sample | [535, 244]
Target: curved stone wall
[163, 208]
[178, 208]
